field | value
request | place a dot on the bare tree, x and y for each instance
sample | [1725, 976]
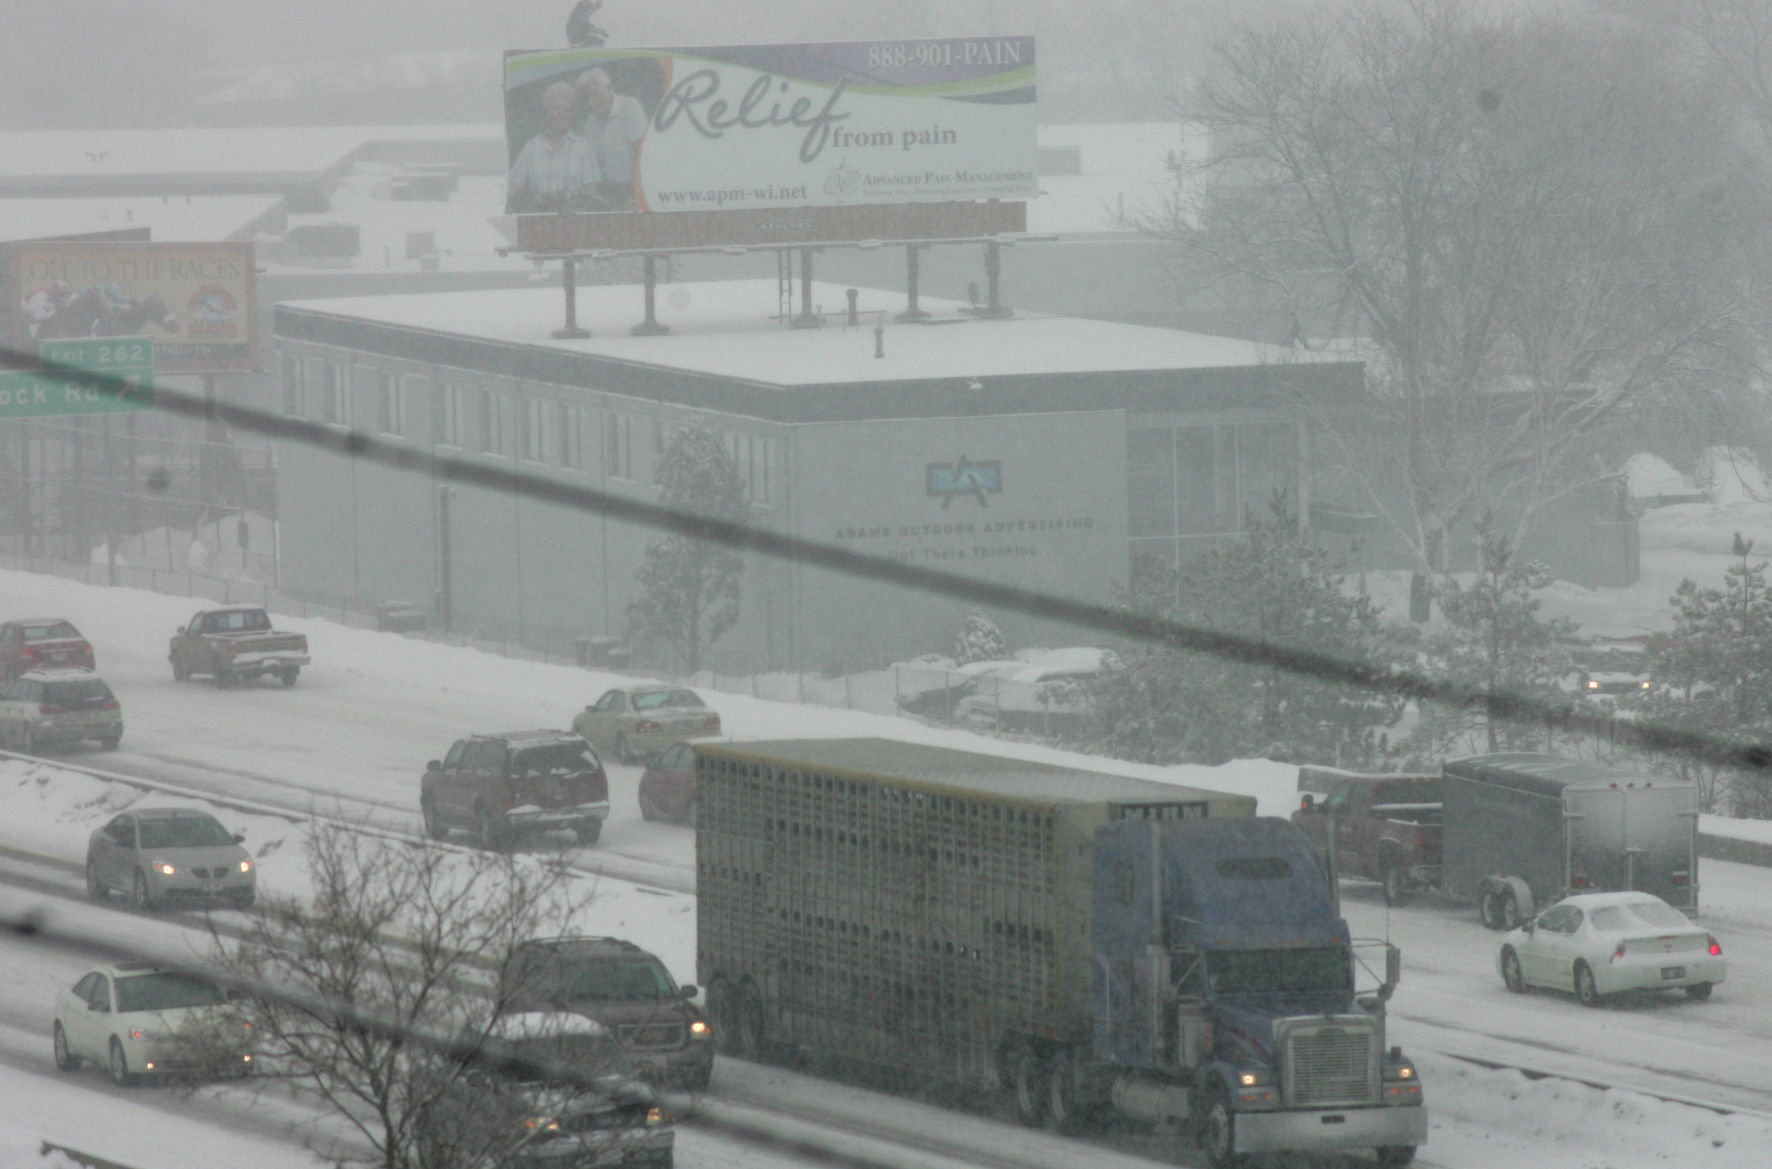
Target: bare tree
[408, 936]
[1515, 218]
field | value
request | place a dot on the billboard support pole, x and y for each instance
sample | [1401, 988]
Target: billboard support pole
[993, 308]
[912, 312]
[569, 277]
[807, 318]
[650, 326]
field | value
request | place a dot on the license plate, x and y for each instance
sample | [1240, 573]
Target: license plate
[1673, 972]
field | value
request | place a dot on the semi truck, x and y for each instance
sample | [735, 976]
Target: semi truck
[1088, 941]
[1520, 830]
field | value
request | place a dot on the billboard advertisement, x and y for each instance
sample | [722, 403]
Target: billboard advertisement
[752, 127]
[194, 301]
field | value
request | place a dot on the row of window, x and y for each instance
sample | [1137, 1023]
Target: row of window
[492, 422]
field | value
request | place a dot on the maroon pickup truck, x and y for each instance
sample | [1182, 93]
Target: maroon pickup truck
[1383, 827]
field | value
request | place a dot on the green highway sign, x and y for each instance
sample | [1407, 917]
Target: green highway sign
[108, 374]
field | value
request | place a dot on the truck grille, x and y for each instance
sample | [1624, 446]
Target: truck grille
[1333, 1065]
[641, 1036]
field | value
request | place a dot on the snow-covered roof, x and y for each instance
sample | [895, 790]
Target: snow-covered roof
[732, 329]
[248, 150]
[179, 218]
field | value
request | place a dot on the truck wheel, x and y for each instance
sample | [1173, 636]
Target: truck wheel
[1489, 908]
[1511, 972]
[588, 831]
[427, 809]
[750, 1030]
[1396, 884]
[689, 816]
[647, 811]
[1064, 1107]
[1028, 1084]
[1508, 910]
[494, 836]
[1396, 1154]
[1585, 989]
[1218, 1132]
[722, 1017]
[289, 675]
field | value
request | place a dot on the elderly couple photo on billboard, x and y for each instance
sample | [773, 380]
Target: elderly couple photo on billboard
[582, 157]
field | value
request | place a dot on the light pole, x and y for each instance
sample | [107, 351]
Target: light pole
[445, 582]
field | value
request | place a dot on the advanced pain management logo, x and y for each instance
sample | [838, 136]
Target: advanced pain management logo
[964, 477]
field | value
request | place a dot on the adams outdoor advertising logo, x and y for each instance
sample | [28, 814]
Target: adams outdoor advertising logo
[964, 477]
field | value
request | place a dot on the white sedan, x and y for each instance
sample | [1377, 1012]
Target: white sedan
[1599, 944]
[138, 1019]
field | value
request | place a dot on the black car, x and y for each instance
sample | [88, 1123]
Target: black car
[627, 990]
[559, 1094]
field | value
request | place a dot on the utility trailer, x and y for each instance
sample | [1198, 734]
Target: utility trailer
[1086, 939]
[1521, 830]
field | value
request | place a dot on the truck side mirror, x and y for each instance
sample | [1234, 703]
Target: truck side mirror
[181, 631]
[688, 990]
[434, 765]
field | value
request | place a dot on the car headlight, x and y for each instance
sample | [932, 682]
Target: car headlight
[541, 1124]
[656, 1116]
[699, 1029]
[164, 869]
[246, 865]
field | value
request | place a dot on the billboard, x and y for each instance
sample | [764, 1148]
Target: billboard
[194, 301]
[755, 127]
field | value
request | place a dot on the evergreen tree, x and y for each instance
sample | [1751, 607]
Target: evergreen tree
[690, 589]
[1714, 677]
[1161, 705]
[1495, 642]
[980, 641]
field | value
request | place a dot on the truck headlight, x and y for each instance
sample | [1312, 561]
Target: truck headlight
[1401, 1084]
[656, 1116]
[1255, 1089]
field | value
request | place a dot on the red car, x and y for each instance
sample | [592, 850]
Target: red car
[667, 786]
[42, 642]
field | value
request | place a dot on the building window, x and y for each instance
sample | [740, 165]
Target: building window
[450, 410]
[334, 396]
[391, 403]
[532, 435]
[492, 422]
[292, 385]
[1191, 487]
[572, 452]
[620, 432]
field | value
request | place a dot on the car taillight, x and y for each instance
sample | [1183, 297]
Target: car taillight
[649, 727]
[1716, 947]
[112, 705]
[1579, 881]
[712, 722]
[29, 655]
[1680, 877]
[48, 708]
[1618, 953]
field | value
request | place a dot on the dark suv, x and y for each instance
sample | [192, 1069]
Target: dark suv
[502, 786]
[626, 989]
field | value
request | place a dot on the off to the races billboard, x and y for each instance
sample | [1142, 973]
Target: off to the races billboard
[762, 126]
[195, 300]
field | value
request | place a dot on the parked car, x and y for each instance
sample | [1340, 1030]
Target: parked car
[40, 707]
[635, 723]
[593, 1114]
[667, 786]
[236, 644]
[503, 786]
[626, 989]
[1038, 698]
[935, 692]
[1595, 945]
[141, 1019]
[160, 855]
[42, 642]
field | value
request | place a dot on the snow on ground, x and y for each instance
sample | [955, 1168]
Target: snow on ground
[385, 703]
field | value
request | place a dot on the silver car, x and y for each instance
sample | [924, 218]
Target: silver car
[40, 707]
[160, 855]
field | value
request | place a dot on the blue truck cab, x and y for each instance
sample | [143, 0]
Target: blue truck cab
[1224, 994]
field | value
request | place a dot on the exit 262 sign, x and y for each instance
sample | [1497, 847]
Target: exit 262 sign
[102, 375]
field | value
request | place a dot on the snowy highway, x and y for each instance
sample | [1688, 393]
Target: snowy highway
[351, 739]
